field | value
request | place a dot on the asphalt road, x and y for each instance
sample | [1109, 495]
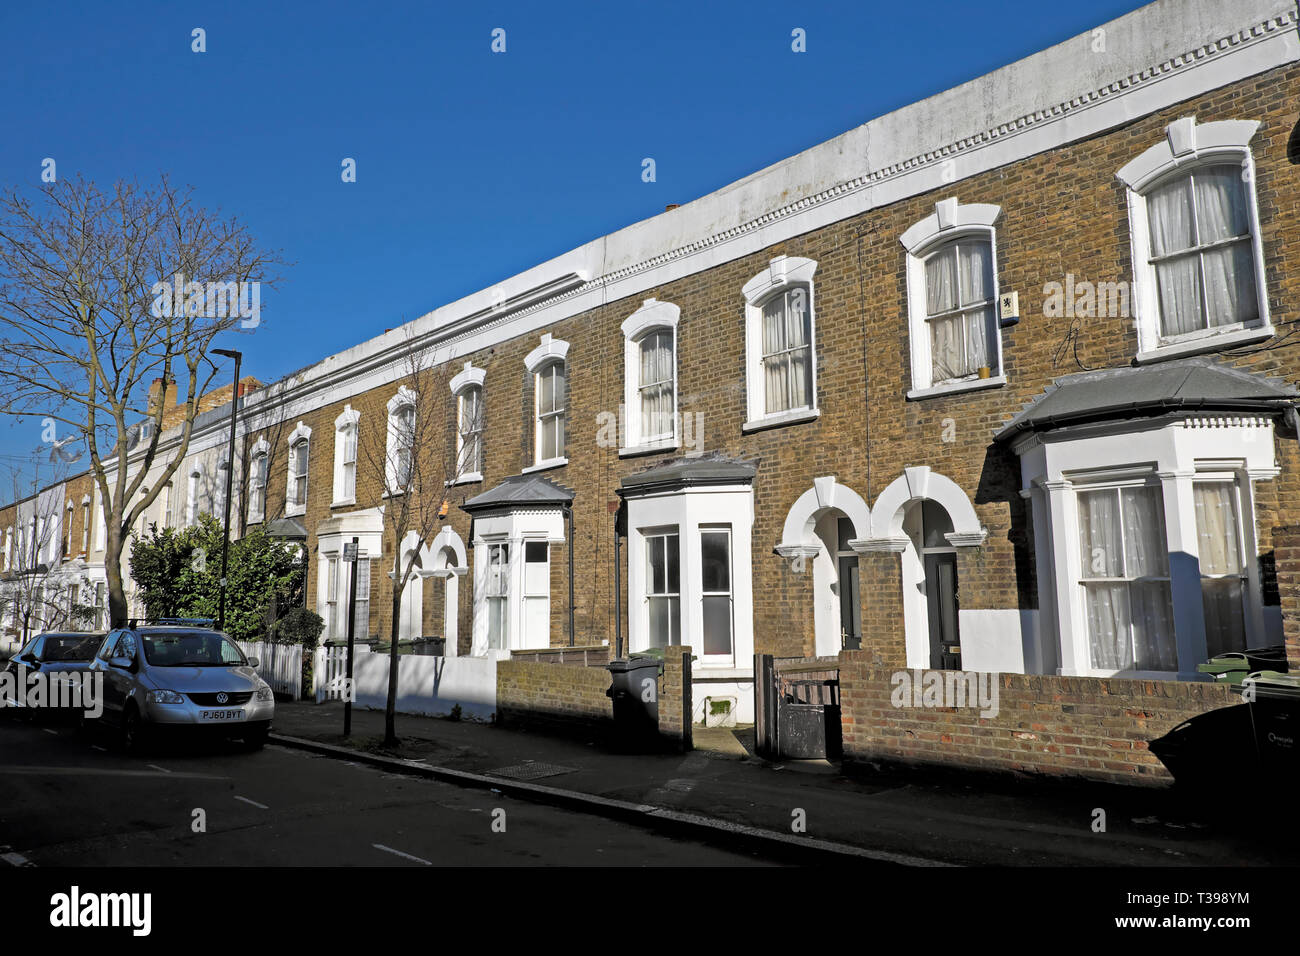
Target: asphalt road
[70, 800]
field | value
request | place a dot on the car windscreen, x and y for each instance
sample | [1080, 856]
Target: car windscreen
[70, 647]
[191, 649]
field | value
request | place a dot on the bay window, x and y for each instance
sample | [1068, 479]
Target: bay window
[1223, 570]
[715, 591]
[1125, 563]
[498, 595]
[663, 589]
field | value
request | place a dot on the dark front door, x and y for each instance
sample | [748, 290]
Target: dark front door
[941, 598]
[850, 604]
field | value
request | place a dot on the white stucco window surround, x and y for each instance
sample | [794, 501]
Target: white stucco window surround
[548, 366]
[1198, 261]
[690, 579]
[780, 345]
[399, 453]
[259, 456]
[468, 391]
[295, 498]
[952, 286]
[1170, 464]
[650, 421]
[346, 431]
[334, 574]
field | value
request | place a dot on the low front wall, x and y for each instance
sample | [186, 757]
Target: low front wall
[562, 694]
[1042, 724]
[431, 686]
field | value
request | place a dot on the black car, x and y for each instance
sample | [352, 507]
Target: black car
[49, 653]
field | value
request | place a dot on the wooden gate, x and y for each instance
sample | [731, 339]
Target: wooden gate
[796, 708]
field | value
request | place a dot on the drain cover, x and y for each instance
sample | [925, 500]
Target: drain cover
[531, 771]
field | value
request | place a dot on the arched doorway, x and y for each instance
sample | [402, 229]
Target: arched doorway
[927, 525]
[925, 518]
[820, 532]
[447, 561]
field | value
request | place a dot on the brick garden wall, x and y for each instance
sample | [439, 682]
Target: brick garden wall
[675, 703]
[556, 695]
[1061, 726]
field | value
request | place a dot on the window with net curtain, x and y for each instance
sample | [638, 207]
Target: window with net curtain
[403, 440]
[787, 351]
[257, 489]
[550, 411]
[1125, 561]
[349, 489]
[298, 459]
[498, 595]
[470, 430]
[959, 309]
[656, 384]
[1223, 570]
[1202, 251]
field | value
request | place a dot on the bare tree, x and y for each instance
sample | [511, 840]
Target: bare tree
[101, 292]
[413, 456]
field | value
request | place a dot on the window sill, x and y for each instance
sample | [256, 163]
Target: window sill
[1210, 342]
[956, 388]
[543, 465]
[466, 479]
[294, 511]
[649, 448]
[399, 493]
[343, 503]
[778, 419]
[255, 520]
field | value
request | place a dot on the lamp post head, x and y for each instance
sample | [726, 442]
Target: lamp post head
[228, 353]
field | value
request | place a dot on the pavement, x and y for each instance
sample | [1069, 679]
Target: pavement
[720, 792]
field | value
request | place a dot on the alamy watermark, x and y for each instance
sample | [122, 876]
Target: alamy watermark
[57, 690]
[212, 300]
[945, 689]
[1086, 300]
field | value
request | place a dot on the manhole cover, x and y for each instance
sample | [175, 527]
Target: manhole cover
[531, 771]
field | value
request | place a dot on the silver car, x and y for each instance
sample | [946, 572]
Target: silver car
[161, 678]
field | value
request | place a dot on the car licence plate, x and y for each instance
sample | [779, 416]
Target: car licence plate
[232, 714]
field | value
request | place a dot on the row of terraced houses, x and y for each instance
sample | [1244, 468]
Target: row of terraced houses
[1003, 381]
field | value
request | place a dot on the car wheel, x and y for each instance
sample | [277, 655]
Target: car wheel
[133, 732]
[257, 739]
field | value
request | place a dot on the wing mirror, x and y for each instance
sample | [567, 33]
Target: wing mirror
[253, 662]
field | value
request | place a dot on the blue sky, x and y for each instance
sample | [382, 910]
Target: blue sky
[471, 166]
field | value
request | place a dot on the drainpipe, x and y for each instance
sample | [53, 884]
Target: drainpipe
[568, 513]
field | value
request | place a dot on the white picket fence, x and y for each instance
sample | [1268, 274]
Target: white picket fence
[330, 671]
[280, 665]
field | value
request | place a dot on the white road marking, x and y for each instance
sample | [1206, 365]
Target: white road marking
[99, 748]
[156, 767]
[49, 731]
[260, 806]
[405, 856]
[15, 859]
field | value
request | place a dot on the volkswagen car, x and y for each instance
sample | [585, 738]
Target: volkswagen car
[180, 679]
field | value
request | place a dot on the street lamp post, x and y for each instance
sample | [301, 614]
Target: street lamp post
[230, 475]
